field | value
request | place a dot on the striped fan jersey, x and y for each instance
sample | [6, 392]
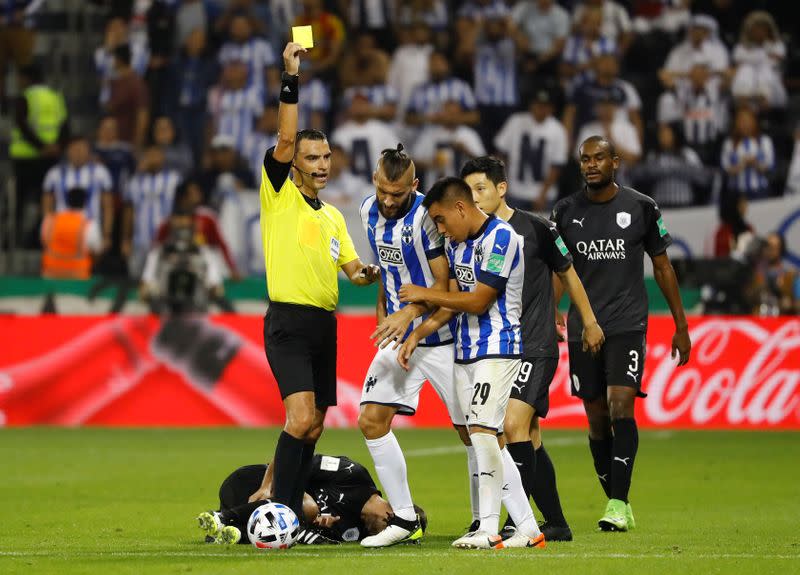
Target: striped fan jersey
[750, 181]
[493, 257]
[94, 177]
[256, 53]
[402, 248]
[495, 73]
[235, 112]
[151, 195]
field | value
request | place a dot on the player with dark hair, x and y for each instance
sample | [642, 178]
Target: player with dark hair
[409, 249]
[341, 502]
[485, 297]
[545, 254]
[607, 229]
[305, 244]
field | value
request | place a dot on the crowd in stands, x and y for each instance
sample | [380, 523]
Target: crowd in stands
[696, 95]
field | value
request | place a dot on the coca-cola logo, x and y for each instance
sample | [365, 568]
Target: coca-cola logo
[741, 373]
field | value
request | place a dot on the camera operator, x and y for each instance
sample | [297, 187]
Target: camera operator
[776, 284]
[180, 275]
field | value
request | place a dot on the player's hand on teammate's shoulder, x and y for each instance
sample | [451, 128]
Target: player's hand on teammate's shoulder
[405, 351]
[593, 338]
[410, 293]
[291, 58]
[681, 345]
[393, 328]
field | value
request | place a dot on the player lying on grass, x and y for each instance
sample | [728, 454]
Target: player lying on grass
[341, 503]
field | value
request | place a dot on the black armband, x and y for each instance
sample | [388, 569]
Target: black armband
[290, 89]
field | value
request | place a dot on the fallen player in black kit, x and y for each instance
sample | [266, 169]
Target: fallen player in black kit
[341, 504]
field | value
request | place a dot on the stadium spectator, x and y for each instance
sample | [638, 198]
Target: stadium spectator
[732, 226]
[80, 170]
[177, 155]
[409, 66]
[534, 144]
[148, 202]
[362, 55]
[41, 129]
[700, 106]
[701, 45]
[748, 157]
[256, 53]
[759, 58]
[616, 129]
[116, 155]
[672, 174]
[240, 224]
[262, 138]
[129, 101]
[430, 13]
[441, 149]
[381, 97]
[225, 172]
[616, 23]
[363, 138]
[329, 37]
[313, 109]
[376, 17]
[495, 71]
[206, 229]
[604, 85]
[427, 99]
[344, 188]
[582, 46]
[233, 105]
[793, 177]
[775, 283]
[160, 21]
[192, 73]
[545, 26]
[190, 15]
[70, 239]
[17, 40]
[117, 34]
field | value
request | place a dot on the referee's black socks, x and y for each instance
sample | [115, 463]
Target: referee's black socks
[300, 488]
[287, 468]
[626, 443]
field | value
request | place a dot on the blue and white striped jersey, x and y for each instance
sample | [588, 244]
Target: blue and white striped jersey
[496, 73]
[94, 177]
[316, 98]
[235, 112]
[257, 53]
[151, 195]
[493, 258]
[402, 248]
[376, 94]
[429, 98]
[750, 181]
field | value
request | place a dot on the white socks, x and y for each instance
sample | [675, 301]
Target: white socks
[472, 465]
[515, 500]
[490, 480]
[390, 465]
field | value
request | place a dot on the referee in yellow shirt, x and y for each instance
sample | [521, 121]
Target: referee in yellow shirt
[305, 244]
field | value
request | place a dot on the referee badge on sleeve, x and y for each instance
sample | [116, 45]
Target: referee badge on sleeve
[334, 249]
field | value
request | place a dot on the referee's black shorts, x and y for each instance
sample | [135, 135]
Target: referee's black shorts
[300, 342]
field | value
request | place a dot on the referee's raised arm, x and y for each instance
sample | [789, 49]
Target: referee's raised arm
[287, 108]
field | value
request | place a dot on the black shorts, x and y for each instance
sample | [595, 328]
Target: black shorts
[300, 342]
[237, 488]
[533, 383]
[619, 362]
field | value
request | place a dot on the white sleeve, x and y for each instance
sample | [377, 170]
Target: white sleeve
[472, 141]
[424, 148]
[558, 145]
[151, 267]
[668, 110]
[213, 269]
[92, 238]
[50, 178]
[632, 99]
[727, 152]
[504, 139]
[626, 136]
[104, 177]
[621, 17]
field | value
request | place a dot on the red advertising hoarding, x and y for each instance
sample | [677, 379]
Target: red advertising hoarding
[744, 373]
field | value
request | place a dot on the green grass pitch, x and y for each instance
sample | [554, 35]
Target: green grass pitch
[125, 501]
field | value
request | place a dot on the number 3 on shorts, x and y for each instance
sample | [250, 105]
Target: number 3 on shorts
[481, 392]
[634, 365]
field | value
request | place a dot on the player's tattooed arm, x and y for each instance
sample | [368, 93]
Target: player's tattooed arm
[668, 283]
[593, 336]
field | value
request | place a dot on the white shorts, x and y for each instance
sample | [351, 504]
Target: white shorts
[484, 387]
[387, 383]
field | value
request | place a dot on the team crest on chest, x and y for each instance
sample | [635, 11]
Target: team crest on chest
[479, 253]
[623, 219]
[407, 234]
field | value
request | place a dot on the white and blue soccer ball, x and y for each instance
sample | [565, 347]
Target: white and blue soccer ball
[273, 526]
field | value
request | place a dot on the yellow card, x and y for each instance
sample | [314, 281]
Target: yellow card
[303, 35]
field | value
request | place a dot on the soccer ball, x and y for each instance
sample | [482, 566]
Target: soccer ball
[273, 526]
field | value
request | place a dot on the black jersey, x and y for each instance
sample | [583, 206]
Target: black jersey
[339, 485]
[544, 252]
[607, 241]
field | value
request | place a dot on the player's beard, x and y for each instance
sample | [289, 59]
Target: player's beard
[599, 184]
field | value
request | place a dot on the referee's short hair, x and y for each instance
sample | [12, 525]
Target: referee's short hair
[494, 168]
[448, 189]
[315, 135]
[394, 162]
